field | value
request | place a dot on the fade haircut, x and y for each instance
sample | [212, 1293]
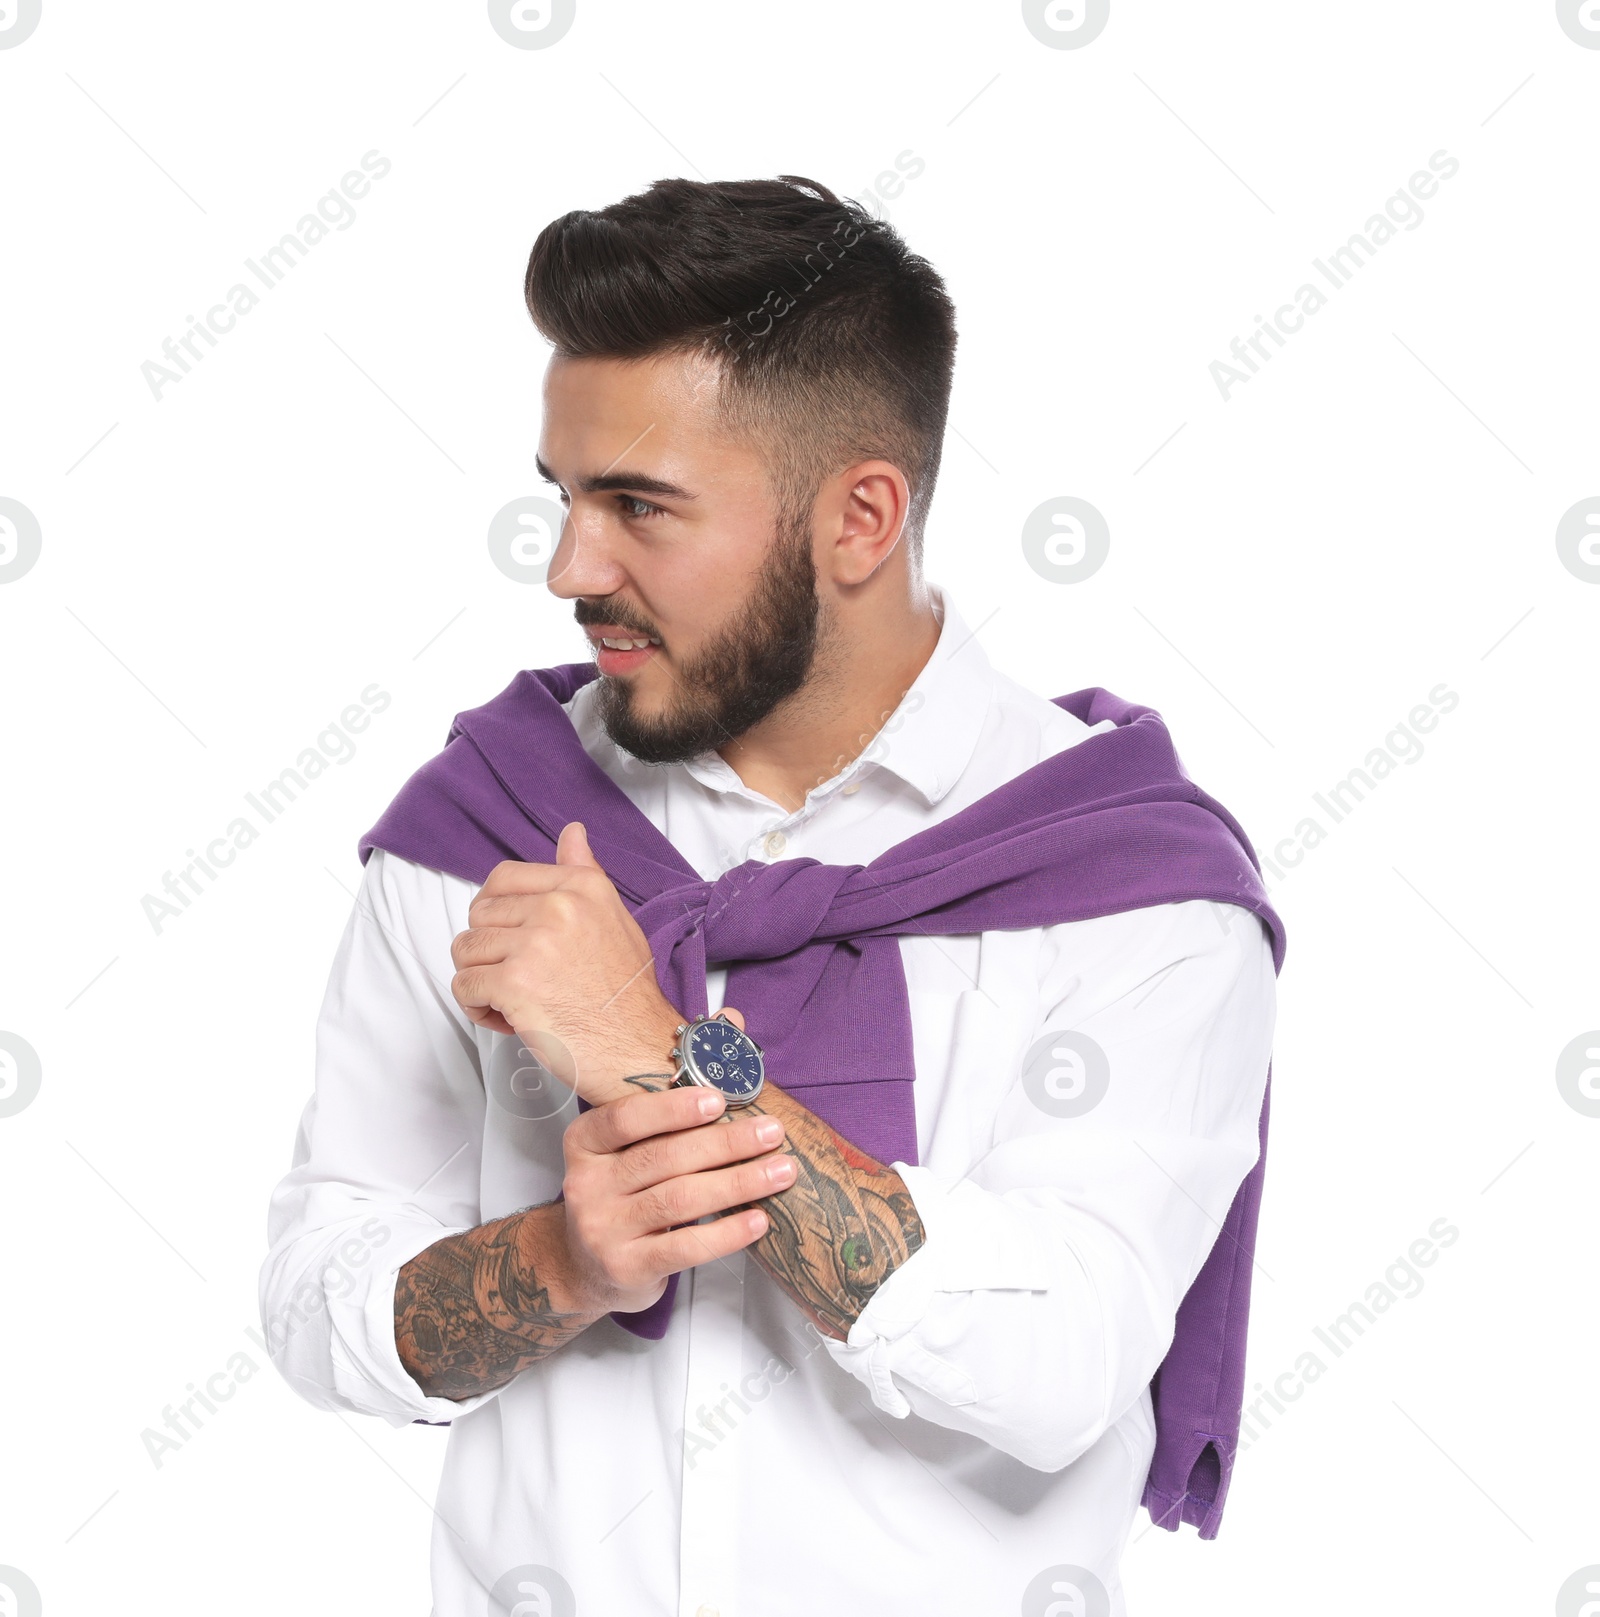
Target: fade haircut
[835, 342]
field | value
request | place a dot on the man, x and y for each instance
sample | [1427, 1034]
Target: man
[906, 1361]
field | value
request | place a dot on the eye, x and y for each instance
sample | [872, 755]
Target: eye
[639, 510]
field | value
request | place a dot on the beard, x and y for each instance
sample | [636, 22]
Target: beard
[762, 655]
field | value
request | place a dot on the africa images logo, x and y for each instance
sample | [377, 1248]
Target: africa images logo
[1580, 22]
[20, 541]
[531, 25]
[1066, 25]
[18, 19]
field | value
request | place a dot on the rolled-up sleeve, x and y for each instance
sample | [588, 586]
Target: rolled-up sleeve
[1045, 1293]
[386, 1160]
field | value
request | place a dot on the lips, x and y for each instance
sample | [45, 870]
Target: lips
[621, 651]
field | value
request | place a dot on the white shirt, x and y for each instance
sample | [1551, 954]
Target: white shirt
[989, 1415]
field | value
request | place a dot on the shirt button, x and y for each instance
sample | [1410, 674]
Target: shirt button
[851, 789]
[774, 844]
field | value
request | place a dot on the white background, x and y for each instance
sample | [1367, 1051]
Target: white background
[1374, 513]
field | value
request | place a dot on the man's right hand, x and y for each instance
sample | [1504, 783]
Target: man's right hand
[638, 1167]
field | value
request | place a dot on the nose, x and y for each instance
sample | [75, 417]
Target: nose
[582, 563]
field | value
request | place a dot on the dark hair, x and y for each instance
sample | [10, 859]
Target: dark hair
[836, 341]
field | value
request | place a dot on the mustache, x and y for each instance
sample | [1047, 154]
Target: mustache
[585, 615]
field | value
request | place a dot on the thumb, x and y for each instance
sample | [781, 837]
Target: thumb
[572, 846]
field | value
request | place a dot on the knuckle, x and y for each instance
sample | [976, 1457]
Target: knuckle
[646, 1160]
[751, 1182]
[664, 1204]
[580, 1187]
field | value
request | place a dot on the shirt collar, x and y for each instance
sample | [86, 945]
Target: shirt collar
[929, 739]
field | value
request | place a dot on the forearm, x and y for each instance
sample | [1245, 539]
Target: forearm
[841, 1229]
[476, 1309]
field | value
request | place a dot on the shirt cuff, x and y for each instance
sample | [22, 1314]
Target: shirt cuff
[970, 1243]
[366, 1359]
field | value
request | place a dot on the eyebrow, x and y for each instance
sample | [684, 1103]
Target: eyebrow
[623, 482]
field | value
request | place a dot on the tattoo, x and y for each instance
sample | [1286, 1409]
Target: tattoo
[470, 1312]
[841, 1229]
[642, 1081]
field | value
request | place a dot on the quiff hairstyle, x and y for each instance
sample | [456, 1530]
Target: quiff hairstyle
[836, 342]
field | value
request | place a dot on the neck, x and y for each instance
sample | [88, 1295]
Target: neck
[868, 656]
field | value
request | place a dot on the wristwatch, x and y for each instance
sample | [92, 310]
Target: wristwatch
[715, 1054]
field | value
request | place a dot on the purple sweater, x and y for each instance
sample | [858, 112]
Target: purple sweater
[1113, 823]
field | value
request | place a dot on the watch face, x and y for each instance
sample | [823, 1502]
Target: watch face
[726, 1059]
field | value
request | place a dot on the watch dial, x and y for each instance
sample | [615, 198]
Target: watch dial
[726, 1059]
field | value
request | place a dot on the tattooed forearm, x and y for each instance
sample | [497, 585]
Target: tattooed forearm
[841, 1229]
[476, 1309]
[653, 1081]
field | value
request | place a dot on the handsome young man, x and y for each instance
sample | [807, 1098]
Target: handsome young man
[863, 1315]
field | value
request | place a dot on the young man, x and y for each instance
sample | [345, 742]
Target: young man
[1000, 990]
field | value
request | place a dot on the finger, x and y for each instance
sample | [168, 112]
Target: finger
[694, 1195]
[476, 989]
[619, 1123]
[511, 877]
[480, 946]
[572, 846]
[560, 903]
[667, 1156]
[518, 876]
[490, 1019]
[704, 1243]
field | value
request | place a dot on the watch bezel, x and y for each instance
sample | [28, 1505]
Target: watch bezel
[689, 1071]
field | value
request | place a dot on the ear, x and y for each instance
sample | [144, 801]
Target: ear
[870, 501]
